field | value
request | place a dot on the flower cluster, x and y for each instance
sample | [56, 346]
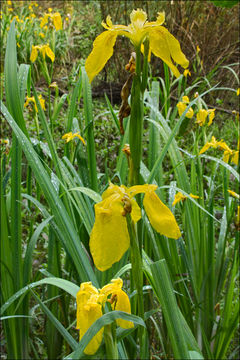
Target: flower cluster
[90, 302]
[55, 17]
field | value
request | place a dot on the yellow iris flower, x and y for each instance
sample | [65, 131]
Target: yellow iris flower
[161, 42]
[228, 154]
[109, 238]
[56, 18]
[202, 116]
[182, 105]
[70, 136]
[180, 197]
[44, 50]
[214, 144]
[187, 73]
[32, 99]
[89, 308]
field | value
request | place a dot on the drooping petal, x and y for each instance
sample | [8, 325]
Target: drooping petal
[109, 238]
[205, 148]
[102, 51]
[34, 54]
[165, 46]
[57, 21]
[211, 114]
[50, 53]
[160, 217]
[136, 211]
[89, 314]
[122, 304]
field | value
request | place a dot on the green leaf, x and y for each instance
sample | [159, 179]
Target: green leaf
[106, 319]
[89, 192]
[194, 355]
[69, 235]
[69, 339]
[66, 285]
[225, 3]
[88, 112]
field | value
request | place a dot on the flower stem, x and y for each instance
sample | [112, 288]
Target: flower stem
[137, 273]
[136, 121]
[110, 342]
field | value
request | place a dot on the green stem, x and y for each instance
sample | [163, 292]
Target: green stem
[136, 121]
[110, 342]
[137, 274]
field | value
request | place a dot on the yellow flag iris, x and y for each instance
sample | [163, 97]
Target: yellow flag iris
[180, 197]
[228, 154]
[182, 105]
[89, 308]
[109, 238]
[44, 50]
[70, 136]
[32, 100]
[202, 116]
[161, 42]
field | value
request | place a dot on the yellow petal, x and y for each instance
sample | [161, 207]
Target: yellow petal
[181, 108]
[122, 304]
[160, 48]
[178, 197]
[185, 99]
[205, 148]
[44, 20]
[109, 238]
[138, 189]
[226, 156]
[194, 196]
[102, 51]
[160, 217]
[211, 114]
[34, 54]
[57, 21]
[113, 286]
[201, 117]
[190, 113]
[50, 53]
[160, 18]
[136, 211]
[235, 157]
[89, 309]
[89, 315]
[138, 18]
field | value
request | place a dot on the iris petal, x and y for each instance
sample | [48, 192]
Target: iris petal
[164, 45]
[109, 238]
[102, 51]
[160, 217]
[123, 304]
